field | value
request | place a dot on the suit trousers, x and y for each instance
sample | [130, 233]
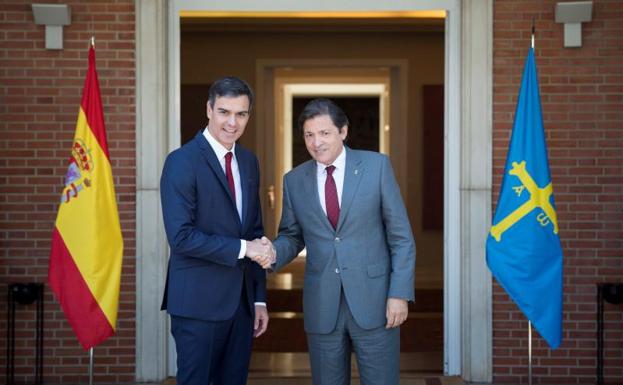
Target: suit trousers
[214, 352]
[377, 352]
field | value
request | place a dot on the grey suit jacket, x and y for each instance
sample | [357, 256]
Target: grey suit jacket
[371, 254]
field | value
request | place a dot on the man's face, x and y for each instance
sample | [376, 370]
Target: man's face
[228, 119]
[323, 139]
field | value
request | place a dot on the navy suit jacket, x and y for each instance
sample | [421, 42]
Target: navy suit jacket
[205, 277]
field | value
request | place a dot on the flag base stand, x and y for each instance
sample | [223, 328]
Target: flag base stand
[24, 294]
[611, 293]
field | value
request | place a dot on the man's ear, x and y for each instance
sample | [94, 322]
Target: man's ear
[344, 132]
[208, 110]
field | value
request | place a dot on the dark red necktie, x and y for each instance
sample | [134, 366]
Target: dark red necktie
[229, 175]
[330, 198]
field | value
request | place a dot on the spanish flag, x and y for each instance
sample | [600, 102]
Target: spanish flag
[87, 247]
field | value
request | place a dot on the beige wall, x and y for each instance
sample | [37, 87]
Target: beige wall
[208, 55]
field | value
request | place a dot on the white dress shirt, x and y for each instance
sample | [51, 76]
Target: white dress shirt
[338, 176]
[220, 152]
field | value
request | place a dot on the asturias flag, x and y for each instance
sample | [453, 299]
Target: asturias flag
[523, 247]
[87, 247]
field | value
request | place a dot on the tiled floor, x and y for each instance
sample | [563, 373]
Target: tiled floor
[307, 381]
[293, 369]
[274, 365]
[403, 381]
[423, 380]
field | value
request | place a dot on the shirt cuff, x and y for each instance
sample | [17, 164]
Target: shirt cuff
[260, 303]
[243, 249]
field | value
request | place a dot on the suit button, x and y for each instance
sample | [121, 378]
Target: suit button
[337, 239]
[337, 271]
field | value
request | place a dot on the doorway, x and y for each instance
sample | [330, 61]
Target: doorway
[290, 59]
[367, 102]
[467, 160]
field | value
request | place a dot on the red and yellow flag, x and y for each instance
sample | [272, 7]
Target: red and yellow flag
[87, 247]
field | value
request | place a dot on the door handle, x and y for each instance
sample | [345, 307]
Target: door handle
[271, 196]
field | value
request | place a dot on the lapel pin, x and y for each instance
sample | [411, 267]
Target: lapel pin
[356, 172]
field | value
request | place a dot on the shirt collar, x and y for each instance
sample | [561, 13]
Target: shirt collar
[218, 148]
[339, 162]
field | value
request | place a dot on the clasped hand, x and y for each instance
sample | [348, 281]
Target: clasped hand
[262, 252]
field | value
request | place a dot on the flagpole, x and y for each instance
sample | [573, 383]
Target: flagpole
[529, 353]
[529, 322]
[91, 366]
[532, 38]
[91, 349]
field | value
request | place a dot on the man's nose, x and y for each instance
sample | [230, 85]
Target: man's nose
[231, 120]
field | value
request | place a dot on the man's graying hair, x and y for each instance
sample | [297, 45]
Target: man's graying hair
[322, 106]
[229, 87]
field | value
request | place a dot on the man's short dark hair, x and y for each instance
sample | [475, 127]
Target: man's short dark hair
[322, 106]
[230, 87]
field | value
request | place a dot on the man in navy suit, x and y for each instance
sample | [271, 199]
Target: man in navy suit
[345, 207]
[215, 294]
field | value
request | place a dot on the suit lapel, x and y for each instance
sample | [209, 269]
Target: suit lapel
[210, 157]
[352, 177]
[245, 183]
[311, 188]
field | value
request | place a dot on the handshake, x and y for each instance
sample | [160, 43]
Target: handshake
[262, 252]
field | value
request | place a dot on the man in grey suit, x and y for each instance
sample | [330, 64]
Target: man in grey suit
[345, 207]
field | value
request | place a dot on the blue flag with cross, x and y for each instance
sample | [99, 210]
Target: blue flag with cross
[523, 246]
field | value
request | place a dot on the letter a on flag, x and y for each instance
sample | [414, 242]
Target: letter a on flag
[523, 247]
[87, 247]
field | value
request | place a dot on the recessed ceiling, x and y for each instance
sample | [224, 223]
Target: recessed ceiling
[420, 21]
